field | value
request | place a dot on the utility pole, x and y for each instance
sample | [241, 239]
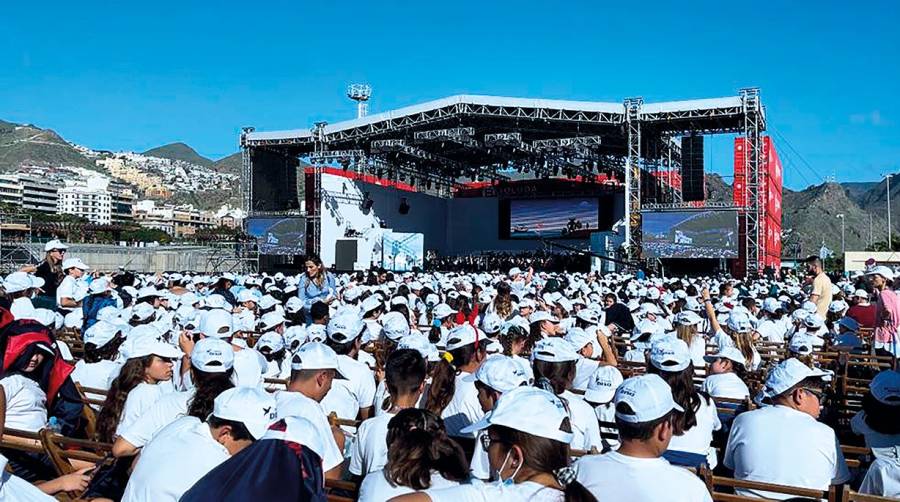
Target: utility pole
[889, 241]
[841, 216]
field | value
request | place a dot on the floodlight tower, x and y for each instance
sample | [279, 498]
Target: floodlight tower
[360, 93]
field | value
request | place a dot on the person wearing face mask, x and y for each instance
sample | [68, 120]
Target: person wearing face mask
[188, 448]
[527, 440]
[784, 443]
[636, 471]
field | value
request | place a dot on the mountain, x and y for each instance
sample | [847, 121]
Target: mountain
[717, 190]
[28, 145]
[179, 151]
[858, 190]
[229, 165]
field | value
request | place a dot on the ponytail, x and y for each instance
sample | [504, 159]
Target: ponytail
[418, 444]
[443, 380]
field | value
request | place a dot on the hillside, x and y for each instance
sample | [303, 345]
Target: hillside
[858, 190]
[229, 165]
[179, 151]
[716, 189]
[24, 145]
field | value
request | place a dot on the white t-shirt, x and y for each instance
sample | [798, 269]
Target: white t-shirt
[698, 438]
[771, 330]
[496, 492]
[606, 412]
[727, 385]
[376, 488]
[16, 489]
[882, 478]
[347, 397]
[780, 445]
[480, 465]
[616, 477]
[585, 428]
[164, 411]
[295, 404]
[698, 351]
[139, 400]
[181, 454]
[249, 366]
[26, 403]
[464, 408]
[584, 369]
[370, 449]
[381, 394]
[97, 375]
[73, 288]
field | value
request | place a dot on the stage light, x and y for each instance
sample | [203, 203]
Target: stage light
[404, 206]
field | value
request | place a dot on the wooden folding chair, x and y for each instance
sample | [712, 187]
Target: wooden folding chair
[15, 439]
[730, 484]
[849, 495]
[334, 421]
[64, 450]
[341, 491]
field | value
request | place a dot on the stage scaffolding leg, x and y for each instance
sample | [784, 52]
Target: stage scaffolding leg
[246, 174]
[753, 126]
[633, 178]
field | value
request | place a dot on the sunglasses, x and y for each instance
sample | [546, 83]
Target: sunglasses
[60, 251]
[487, 441]
[817, 393]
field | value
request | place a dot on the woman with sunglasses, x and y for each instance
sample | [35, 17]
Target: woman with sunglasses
[51, 271]
[527, 441]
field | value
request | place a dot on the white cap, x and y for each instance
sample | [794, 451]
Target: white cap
[142, 311]
[54, 244]
[100, 333]
[728, 352]
[491, 323]
[882, 271]
[351, 293]
[541, 315]
[648, 396]
[316, 333]
[885, 387]
[789, 373]
[578, 338]
[861, 293]
[601, 387]
[267, 302]
[216, 323]
[316, 356]
[771, 305]
[838, 306]
[687, 318]
[74, 263]
[460, 336]
[298, 430]
[270, 321]
[530, 410]
[98, 286]
[294, 334]
[20, 281]
[442, 310]
[515, 271]
[554, 350]
[420, 344]
[253, 407]
[141, 346]
[739, 322]
[271, 340]
[371, 303]
[345, 327]
[211, 355]
[670, 354]
[246, 295]
[394, 326]
[501, 373]
[802, 344]
[589, 316]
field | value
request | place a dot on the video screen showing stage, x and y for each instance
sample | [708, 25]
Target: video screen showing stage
[279, 236]
[572, 218]
[690, 234]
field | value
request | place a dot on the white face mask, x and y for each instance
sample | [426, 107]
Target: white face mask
[512, 479]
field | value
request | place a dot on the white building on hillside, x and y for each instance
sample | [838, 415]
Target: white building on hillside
[90, 200]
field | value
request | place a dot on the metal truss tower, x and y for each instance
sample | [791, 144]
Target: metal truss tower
[633, 177]
[754, 124]
[361, 94]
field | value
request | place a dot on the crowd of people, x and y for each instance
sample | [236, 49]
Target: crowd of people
[521, 384]
[556, 260]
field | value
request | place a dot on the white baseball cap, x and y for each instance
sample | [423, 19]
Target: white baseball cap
[578, 338]
[293, 305]
[802, 344]
[270, 321]
[739, 322]
[687, 318]
[728, 352]
[670, 354]
[54, 244]
[589, 316]
[74, 263]
[648, 396]
[491, 323]
[271, 340]
[885, 387]
[142, 346]
[371, 303]
[461, 335]
[861, 293]
[789, 373]
[316, 356]
[142, 311]
[100, 333]
[298, 430]
[882, 271]
[147, 292]
[554, 350]
[813, 321]
[98, 286]
[530, 410]
[20, 281]
[541, 315]
[267, 302]
[501, 373]
[253, 407]
[602, 385]
[246, 295]
[771, 305]
[394, 326]
[216, 323]
[442, 310]
[316, 333]
[420, 344]
[294, 335]
[212, 355]
[345, 327]
[838, 306]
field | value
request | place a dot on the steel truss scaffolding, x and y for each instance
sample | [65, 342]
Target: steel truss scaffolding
[438, 144]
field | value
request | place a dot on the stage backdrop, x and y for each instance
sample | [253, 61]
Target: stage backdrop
[279, 236]
[402, 251]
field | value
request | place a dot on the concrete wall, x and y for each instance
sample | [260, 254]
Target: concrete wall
[107, 258]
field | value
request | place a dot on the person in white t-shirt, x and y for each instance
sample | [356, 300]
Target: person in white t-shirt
[278, 362]
[724, 376]
[636, 472]
[73, 287]
[421, 457]
[16, 489]
[405, 379]
[22, 399]
[600, 393]
[313, 368]
[882, 478]
[670, 358]
[137, 387]
[100, 364]
[249, 364]
[783, 443]
[554, 371]
[211, 371]
[452, 393]
[497, 375]
[185, 450]
[354, 396]
[527, 440]
[879, 420]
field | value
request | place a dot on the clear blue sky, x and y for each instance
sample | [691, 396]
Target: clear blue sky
[134, 75]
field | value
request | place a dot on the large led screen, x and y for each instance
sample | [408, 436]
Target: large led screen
[572, 218]
[690, 234]
[279, 236]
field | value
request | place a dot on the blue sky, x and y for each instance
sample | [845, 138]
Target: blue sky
[134, 75]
